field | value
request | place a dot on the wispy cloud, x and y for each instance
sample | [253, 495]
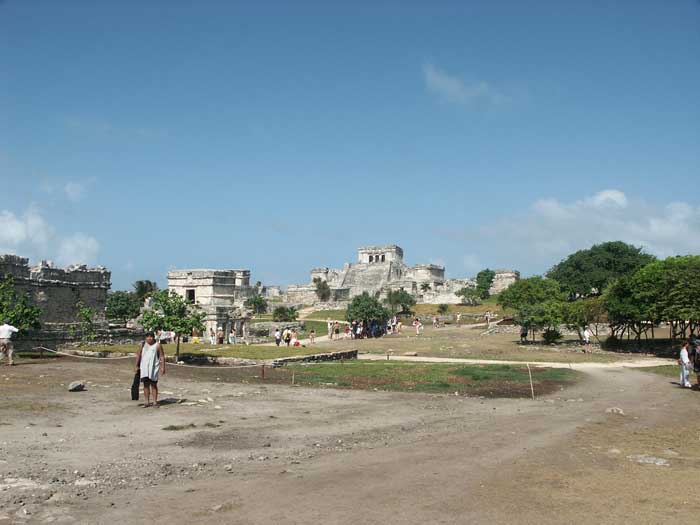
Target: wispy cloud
[453, 89]
[551, 229]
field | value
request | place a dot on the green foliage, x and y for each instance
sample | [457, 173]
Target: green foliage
[538, 303]
[400, 298]
[257, 303]
[425, 287]
[551, 336]
[144, 288]
[122, 306]
[584, 312]
[589, 272]
[323, 291]
[366, 308]
[667, 290]
[469, 296]
[443, 308]
[484, 280]
[16, 309]
[86, 318]
[169, 311]
[284, 314]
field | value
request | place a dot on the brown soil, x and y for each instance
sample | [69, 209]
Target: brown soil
[272, 453]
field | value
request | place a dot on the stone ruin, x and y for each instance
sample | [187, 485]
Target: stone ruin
[219, 293]
[382, 268]
[57, 292]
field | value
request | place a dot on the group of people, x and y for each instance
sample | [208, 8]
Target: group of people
[290, 337]
[690, 360]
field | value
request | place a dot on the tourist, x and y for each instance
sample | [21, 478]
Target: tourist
[6, 331]
[294, 341]
[220, 336]
[336, 329]
[459, 317]
[586, 340]
[346, 331]
[232, 336]
[694, 352]
[488, 319]
[523, 334]
[150, 361]
[287, 336]
[684, 362]
[436, 322]
[417, 325]
[312, 336]
[330, 329]
[353, 329]
[278, 336]
[212, 336]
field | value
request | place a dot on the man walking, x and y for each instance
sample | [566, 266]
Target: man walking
[6, 331]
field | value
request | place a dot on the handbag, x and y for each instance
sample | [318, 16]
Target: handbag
[135, 387]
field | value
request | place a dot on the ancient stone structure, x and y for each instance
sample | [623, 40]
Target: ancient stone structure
[502, 280]
[380, 269]
[57, 291]
[219, 293]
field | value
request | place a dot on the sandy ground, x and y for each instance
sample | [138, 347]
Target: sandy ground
[256, 453]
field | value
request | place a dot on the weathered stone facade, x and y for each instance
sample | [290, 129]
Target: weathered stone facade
[57, 291]
[219, 293]
[380, 269]
[502, 280]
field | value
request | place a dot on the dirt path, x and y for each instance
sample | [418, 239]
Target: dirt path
[263, 454]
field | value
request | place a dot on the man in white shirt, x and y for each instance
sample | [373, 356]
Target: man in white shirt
[6, 331]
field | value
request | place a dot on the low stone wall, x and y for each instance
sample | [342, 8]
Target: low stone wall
[329, 356]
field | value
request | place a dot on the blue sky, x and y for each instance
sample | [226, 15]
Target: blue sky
[280, 136]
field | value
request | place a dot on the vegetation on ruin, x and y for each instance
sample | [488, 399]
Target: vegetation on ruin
[86, 319]
[16, 308]
[323, 291]
[364, 307]
[484, 280]
[257, 303]
[443, 308]
[469, 296]
[122, 306]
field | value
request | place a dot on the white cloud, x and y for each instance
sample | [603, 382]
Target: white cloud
[31, 235]
[453, 89]
[74, 190]
[551, 229]
[78, 249]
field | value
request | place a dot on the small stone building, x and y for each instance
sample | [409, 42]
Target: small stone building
[219, 293]
[502, 280]
[57, 291]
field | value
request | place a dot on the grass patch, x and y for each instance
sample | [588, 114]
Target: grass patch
[324, 315]
[486, 380]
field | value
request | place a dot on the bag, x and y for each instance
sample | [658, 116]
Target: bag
[135, 387]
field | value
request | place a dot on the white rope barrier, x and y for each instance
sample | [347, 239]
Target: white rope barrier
[219, 367]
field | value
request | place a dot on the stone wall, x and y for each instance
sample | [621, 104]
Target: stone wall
[502, 280]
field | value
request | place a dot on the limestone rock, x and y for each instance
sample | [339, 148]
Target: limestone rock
[76, 386]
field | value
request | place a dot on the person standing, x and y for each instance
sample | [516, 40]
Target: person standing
[684, 362]
[6, 331]
[488, 319]
[586, 340]
[232, 336]
[220, 336]
[278, 336]
[212, 336]
[312, 336]
[150, 362]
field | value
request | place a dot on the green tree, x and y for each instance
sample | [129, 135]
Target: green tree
[469, 296]
[538, 303]
[323, 291]
[285, 314]
[484, 280]
[366, 308]
[400, 298]
[169, 311]
[425, 287]
[86, 318]
[144, 288]
[122, 306]
[584, 312]
[16, 309]
[257, 303]
[588, 272]
[443, 308]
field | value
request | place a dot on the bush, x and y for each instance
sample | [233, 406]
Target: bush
[551, 336]
[284, 314]
[443, 309]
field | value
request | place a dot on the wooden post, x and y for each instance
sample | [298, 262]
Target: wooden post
[263, 372]
[532, 388]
